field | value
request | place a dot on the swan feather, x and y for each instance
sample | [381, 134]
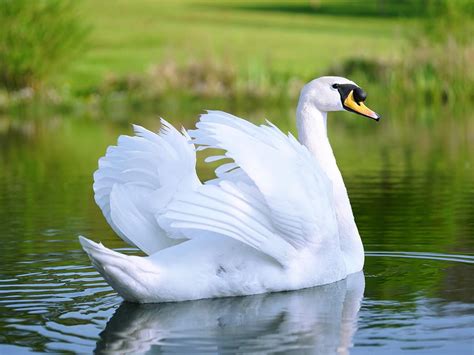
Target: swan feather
[138, 177]
[290, 182]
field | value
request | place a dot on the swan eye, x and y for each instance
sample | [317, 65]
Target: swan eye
[335, 86]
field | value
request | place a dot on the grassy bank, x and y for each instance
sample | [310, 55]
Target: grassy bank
[131, 36]
[145, 52]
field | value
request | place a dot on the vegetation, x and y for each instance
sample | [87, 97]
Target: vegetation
[433, 69]
[145, 51]
[37, 40]
[130, 37]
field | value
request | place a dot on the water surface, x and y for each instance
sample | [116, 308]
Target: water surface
[411, 186]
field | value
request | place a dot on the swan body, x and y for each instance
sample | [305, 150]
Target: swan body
[276, 218]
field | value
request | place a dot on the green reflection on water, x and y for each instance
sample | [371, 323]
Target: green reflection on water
[410, 182]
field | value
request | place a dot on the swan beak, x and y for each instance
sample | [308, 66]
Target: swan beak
[359, 107]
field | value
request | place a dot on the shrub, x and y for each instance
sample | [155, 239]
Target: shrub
[37, 40]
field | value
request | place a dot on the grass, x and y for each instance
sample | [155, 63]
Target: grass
[130, 36]
[147, 52]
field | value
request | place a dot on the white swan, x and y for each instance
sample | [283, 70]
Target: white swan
[277, 217]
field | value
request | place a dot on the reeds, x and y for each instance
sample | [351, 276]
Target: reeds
[203, 79]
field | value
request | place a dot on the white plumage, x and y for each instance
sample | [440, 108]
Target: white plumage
[277, 216]
[138, 178]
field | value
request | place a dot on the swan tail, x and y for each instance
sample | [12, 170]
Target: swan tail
[138, 178]
[100, 255]
[122, 272]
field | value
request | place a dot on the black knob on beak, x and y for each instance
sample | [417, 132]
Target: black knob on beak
[359, 95]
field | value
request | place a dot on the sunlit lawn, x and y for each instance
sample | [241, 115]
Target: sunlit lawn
[129, 36]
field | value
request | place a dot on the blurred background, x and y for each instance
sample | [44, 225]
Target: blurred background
[101, 58]
[75, 74]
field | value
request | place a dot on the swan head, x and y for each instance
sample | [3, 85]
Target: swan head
[335, 93]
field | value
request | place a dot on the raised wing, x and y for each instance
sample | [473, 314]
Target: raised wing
[138, 178]
[232, 209]
[295, 200]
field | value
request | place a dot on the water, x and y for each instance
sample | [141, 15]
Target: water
[411, 185]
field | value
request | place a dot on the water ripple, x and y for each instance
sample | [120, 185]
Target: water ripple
[468, 259]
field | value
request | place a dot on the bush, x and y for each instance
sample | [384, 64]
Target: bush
[37, 40]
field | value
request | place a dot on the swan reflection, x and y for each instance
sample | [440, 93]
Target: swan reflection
[321, 320]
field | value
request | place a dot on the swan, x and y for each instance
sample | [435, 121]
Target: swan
[277, 216]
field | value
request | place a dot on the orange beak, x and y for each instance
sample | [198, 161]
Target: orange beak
[359, 107]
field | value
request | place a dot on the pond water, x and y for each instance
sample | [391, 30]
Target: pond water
[412, 189]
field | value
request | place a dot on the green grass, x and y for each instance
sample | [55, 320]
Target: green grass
[129, 36]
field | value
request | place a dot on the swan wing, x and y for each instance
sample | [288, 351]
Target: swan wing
[232, 209]
[138, 178]
[275, 182]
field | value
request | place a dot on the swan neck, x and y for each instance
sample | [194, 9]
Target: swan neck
[312, 133]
